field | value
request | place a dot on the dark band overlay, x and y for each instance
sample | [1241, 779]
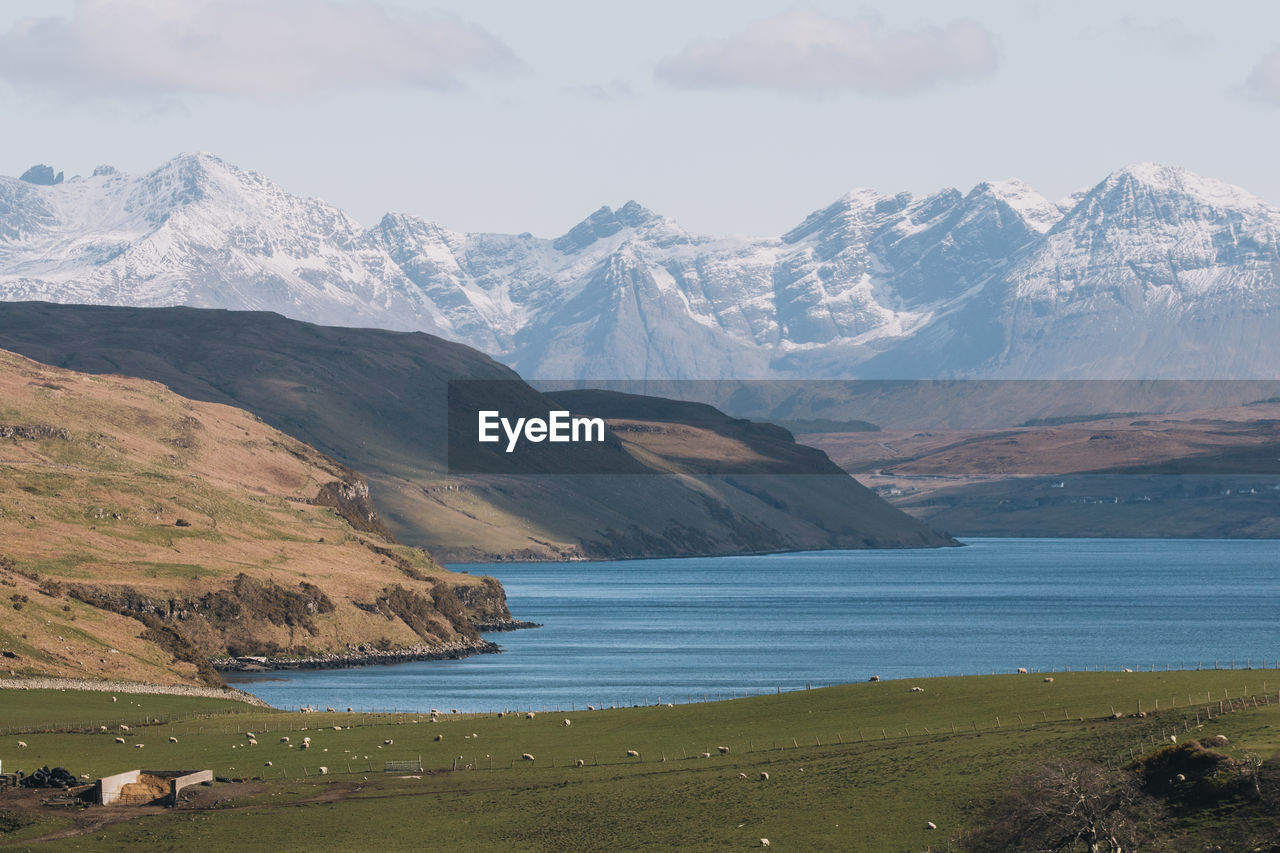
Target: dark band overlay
[1052, 427]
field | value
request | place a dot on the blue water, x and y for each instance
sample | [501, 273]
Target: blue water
[643, 631]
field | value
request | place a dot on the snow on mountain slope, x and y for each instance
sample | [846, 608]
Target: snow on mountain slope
[1153, 272]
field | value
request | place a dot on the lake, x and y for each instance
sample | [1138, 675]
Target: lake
[678, 630]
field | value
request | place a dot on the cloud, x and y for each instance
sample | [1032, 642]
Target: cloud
[1263, 82]
[162, 49]
[1169, 34]
[804, 50]
[615, 90]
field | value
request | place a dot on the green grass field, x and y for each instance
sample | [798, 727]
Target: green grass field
[857, 767]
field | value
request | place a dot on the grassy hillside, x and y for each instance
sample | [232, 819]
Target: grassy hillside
[863, 767]
[141, 532]
[1202, 473]
[376, 401]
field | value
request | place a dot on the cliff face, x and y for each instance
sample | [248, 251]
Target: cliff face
[142, 533]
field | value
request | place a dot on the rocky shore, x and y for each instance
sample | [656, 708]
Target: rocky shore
[496, 625]
[359, 656]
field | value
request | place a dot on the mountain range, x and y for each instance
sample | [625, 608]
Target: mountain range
[1153, 273]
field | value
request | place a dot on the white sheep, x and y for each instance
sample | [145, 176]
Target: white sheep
[930, 825]
[1048, 680]
[439, 738]
[339, 728]
[172, 739]
[22, 744]
[764, 777]
[742, 775]
[324, 771]
[631, 753]
[874, 678]
[580, 763]
[102, 728]
[388, 742]
[250, 735]
[306, 744]
[284, 739]
[706, 755]
[764, 842]
[268, 764]
[917, 689]
[568, 722]
[1022, 670]
[529, 716]
[119, 740]
[330, 710]
[723, 750]
[591, 707]
[137, 746]
[527, 757]
[123, 727]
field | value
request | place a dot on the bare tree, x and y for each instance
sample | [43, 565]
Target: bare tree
[1068, 806]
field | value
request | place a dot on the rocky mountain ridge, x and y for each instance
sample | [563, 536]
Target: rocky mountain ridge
[1153, 273]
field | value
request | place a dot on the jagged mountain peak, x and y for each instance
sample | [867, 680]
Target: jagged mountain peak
[605, 222]
[1036, 211]
[1151, 180]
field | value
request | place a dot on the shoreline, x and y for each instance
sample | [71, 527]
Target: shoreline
[360, 657]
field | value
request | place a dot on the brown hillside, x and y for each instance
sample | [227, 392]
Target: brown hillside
[142, 532]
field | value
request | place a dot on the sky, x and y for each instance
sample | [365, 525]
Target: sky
[729, 116]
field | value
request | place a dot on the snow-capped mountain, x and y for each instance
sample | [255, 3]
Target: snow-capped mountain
[1154, 272]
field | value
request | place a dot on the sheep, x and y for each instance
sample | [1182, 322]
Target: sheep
[874, 678]
[930, 825]
[324, 771]
[591, 707]
[917, 689]
[527, 757]
[250, 735]
[284, 739]
[579, 763]
[304, 745]
[706, 755]
[1049, 680]
[330, 710]
[1179, 778]
[339, 728]
[529, 716]
[268, 764]
[742, 775]
[137, 746]
[764, 842]
[439, 738]
[1022, 670]
[453, 710]
[568, 722]
[306, 739]
[172, 739]
[723, 750]
[1218, 740]
[434, 712]
[388, 742]
[119, 740]
[102, 728]
[123, 727]
[631, 753]
[113, 699]
[22, 744]
[764, 777]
